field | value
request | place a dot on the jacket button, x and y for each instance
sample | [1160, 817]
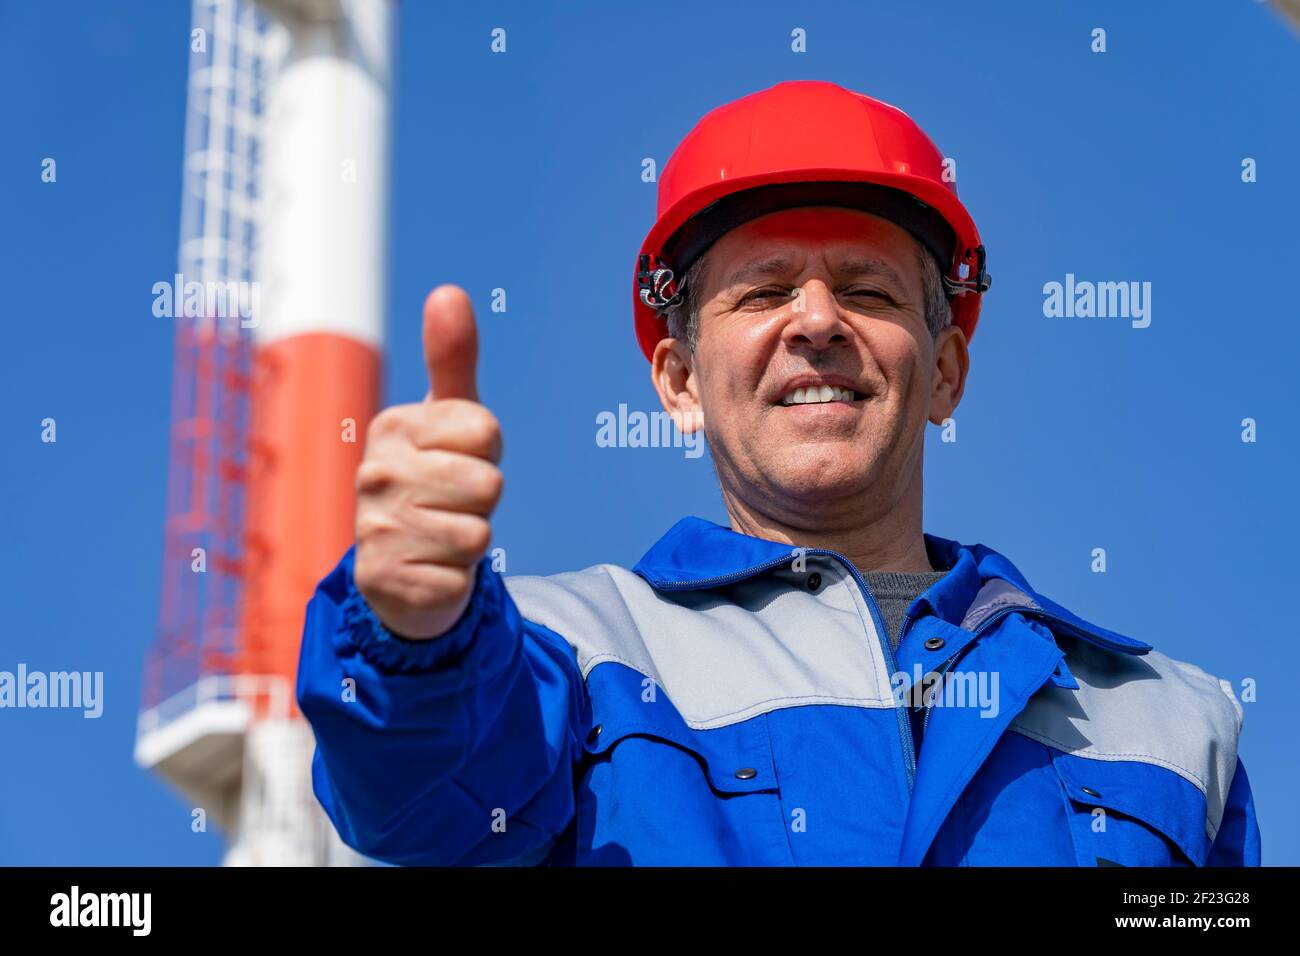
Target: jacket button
[1090, 792]
[934, 643]
[595, 732]
[814, 581]
[746, 773]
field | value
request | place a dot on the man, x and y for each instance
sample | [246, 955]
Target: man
[820, 683]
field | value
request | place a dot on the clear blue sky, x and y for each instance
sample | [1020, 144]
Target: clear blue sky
[522, 171]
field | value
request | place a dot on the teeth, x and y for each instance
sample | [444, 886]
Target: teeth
[817, 395]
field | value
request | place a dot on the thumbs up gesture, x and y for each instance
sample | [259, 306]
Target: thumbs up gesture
[428, 483]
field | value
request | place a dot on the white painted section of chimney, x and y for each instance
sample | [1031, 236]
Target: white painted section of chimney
[321, 265]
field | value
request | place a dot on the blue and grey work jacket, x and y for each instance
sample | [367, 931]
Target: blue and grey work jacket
[730, 702]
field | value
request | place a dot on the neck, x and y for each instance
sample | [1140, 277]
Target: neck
[874, 540]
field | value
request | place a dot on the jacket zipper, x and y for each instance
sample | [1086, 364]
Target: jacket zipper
[878, 622]
[943, 669]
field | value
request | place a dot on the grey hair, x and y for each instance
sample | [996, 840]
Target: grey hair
[684, 318]
[938, 310]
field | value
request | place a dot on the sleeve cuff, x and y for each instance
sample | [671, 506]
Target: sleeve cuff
[361, 630]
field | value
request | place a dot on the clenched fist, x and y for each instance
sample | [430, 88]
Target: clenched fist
[428, 483]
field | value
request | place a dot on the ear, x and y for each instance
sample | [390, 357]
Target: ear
[951, 364]
[672, 371]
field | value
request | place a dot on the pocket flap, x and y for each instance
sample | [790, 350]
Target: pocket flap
[1156, 797]
[736, 758]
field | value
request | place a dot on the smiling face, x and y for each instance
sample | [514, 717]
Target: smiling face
[813, 371]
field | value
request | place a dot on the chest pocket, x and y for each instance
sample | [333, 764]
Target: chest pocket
[655, 791]
[1129, 813]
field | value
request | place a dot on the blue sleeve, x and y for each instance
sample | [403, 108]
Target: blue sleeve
[456, 750]
[1237, 842]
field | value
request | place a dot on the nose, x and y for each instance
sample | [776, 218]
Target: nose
[815, 320]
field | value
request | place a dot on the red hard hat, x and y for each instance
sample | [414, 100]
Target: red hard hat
[803, 143]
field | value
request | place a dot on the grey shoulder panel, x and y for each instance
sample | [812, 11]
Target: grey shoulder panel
[1148, 708]
[588, 610]
[722, 655]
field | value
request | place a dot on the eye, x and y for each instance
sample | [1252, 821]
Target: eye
[770, 292]
[870, 293]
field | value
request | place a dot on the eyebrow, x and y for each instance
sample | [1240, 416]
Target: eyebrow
[780, 265]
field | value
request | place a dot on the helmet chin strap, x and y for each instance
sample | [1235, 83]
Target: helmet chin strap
[979, 284]
[653, 284]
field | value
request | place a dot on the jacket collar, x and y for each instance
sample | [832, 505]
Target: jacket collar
[696, 553]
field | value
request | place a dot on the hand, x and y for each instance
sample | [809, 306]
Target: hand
[428, 483]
